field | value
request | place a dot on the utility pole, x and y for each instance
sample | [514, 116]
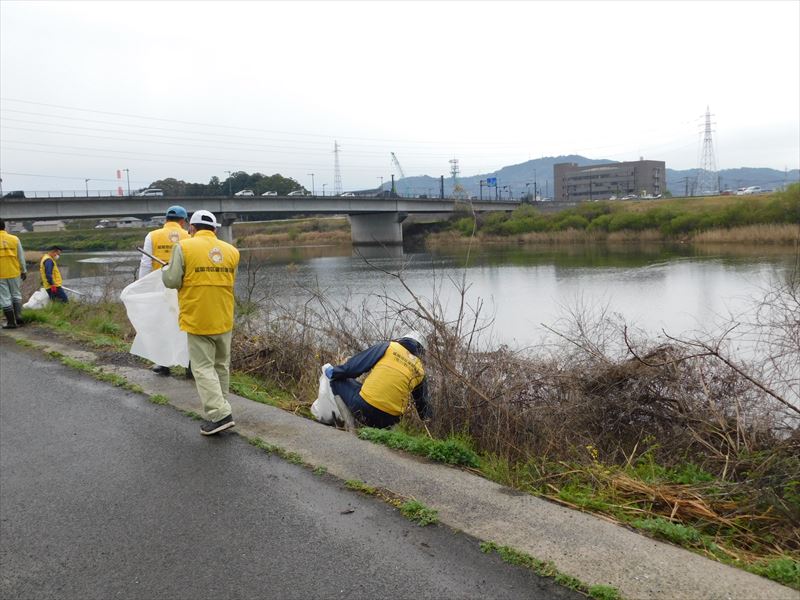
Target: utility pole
[313, 191]
[86, 181]
[480, 183]
[337, 172]
[230, 190]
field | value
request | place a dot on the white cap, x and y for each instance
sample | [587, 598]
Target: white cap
[414, 335]
[203, 217]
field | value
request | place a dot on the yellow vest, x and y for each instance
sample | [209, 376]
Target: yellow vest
[205, 297]
[56, 273]
[9, 260]
[391, 381]
[164, 239]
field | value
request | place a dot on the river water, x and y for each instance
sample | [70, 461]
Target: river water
[679, 289]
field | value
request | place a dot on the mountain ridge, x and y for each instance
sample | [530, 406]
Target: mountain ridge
[521, 178]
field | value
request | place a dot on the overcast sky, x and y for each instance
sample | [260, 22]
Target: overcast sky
[194, 89]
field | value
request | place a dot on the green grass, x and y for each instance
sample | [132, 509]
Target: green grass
[453, 450]
[548, 569]
[783, 570]
[159, 399]
[360, 486]
[419, 513]
[292, 457]
[260, 391]
[671, 217]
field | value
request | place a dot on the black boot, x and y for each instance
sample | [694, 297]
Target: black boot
[18, 312]
[11, 320]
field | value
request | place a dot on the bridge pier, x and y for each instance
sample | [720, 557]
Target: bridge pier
[225, 232]
[377, 229]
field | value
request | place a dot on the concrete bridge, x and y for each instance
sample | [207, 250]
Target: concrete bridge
[373, 221]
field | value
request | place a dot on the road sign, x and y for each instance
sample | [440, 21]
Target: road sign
[491, 182]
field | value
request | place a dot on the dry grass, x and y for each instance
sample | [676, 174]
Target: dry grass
[260, 240]
[785, 234]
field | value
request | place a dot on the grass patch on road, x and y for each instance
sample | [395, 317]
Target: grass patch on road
[548, 569]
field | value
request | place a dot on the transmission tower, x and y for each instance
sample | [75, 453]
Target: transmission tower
[337, 172]
[458, 189]
[707, 182]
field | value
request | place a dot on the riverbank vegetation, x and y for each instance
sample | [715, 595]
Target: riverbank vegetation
[771, 219]
[680, 438]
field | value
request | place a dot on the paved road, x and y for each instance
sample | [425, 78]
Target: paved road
[105, 495]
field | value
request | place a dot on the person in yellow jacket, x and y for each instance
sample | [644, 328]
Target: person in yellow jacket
[203, 270]
[51, 276]
[159, 243]
[12, 272]
[396, 376]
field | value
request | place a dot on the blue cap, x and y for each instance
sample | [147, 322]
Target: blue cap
[177, 211]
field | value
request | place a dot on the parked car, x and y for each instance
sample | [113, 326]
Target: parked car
[348, 194]
[15, 194]
[753, 189]
[151, 192]
[296, 193]
[244, 193]
[270, 194]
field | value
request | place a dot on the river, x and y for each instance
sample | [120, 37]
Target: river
[678, 288]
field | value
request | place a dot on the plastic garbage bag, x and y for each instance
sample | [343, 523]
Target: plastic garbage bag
[39, 299]
[324, 407]
[153, 311]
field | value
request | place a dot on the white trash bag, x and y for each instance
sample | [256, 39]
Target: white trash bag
[324, 407]
[153, 311]
[39, 299]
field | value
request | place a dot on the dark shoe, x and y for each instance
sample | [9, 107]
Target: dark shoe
[11, 320]
[209, 428]
[159, 370]
[18, 312]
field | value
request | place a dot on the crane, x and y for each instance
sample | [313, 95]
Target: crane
[396, 163]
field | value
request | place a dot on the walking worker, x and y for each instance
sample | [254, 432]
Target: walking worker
[12, 272]
[395, 376]
[51, 276]
[203, 270]
[159, 243]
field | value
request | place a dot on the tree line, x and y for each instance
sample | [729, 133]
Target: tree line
[235, 182]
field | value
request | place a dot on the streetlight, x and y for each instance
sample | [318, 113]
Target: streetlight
[230, 191]
[381, 178]
[313, 193]
[86, 181]
[323, 188]
[128, 176]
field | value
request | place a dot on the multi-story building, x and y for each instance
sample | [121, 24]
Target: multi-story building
[612, 180]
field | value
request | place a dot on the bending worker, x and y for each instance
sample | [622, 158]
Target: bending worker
[159, 243]
[203, 270]
[12, 272]
[51, 276]
[395, 375]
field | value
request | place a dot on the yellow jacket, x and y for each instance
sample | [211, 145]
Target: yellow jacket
[164, 239]
[205, 297]
[9, 256]
[56, 272]
[389, 385]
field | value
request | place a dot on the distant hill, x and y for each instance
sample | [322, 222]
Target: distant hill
[520, 179]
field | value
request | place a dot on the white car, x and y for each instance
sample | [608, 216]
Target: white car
[348, 194]
[151, 192]
[296, 193]
[244, 193]
[270, 194]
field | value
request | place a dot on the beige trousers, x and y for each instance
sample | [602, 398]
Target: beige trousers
[210, 356]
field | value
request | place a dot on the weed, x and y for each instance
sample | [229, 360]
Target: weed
[419, 513]
[319, 470]
[360, 486]
[159, 399]
[25, 343]
[292, 457]
[453, 450]
[679, 534]
[192, 415]
[548, 569]
[784, 570]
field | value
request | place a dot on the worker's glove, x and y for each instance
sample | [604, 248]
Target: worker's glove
[329, 372]
[23, 276]
[54, 289]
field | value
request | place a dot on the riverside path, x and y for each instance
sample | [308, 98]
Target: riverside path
[106, 495]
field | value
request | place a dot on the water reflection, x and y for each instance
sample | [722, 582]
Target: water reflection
[677, 288]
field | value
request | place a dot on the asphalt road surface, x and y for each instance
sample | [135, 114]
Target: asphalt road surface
[106, 495]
